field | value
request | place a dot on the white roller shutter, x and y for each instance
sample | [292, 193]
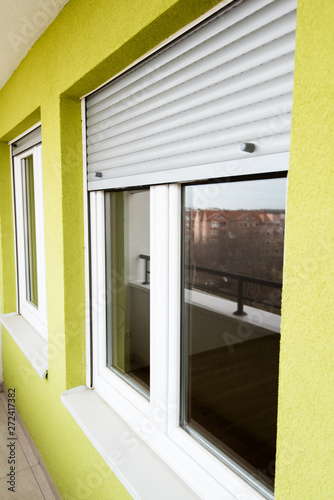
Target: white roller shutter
[27, 141]
[193, 103]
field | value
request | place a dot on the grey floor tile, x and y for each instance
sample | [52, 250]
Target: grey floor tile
[32, 460]
[20, 459]
[31, 482]
[43, 483]
[26, 487]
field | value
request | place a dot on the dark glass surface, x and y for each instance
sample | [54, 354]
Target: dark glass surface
[30, 230]
[232, 267]
[128, 293]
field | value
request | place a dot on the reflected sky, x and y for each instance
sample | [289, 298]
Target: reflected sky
[251, 195]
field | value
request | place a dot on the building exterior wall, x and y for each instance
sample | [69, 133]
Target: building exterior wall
[86, 45]
[306, 368]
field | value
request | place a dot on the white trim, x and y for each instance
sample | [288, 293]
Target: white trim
[163, 44]
[37, 317]
[174, 307]
[277, 162]
[14, 227]
[87, 248]
[31, 129]
[94, 287]
[33, 346]
[159, 317]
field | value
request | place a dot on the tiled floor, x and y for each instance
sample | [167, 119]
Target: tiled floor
[30, 481]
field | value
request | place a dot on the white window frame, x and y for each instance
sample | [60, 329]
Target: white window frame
[157, 421]
[36, 316]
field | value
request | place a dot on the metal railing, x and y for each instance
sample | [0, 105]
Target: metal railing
[241, 298]
[241, 280]
[146, 258]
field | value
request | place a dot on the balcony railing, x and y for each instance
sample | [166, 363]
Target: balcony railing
[240, 279]
[146, 258]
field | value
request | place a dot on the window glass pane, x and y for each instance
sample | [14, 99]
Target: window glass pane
[30, 230]
[128, 291]
[232, 267]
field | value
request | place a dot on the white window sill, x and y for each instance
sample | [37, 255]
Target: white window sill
[31, 343]
[136, 465]
[256, 317]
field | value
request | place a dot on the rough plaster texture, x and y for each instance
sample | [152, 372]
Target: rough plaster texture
[7, 260]
[305, 417]
[86, 45]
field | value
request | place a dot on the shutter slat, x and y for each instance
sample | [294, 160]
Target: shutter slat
[178, 71]
[221, 81]
[205, 157]
[193, 103]
[246, 13]
[180, 113]
[247, 132]
[196, 128]
[27, 142]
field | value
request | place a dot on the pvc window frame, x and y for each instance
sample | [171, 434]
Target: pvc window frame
[36, 316]
[157, 421]
[28, 324]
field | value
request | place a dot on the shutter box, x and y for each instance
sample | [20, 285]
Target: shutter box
[193, 104]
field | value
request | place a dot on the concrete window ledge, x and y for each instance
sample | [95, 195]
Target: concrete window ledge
[31, 343]
[136, 465]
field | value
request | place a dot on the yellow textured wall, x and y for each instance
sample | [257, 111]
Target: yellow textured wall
[305, 417]
[86, 45]
[7, 260]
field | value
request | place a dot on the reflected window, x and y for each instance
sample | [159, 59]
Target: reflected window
[127, 216]
[231, 322]
[28, 187]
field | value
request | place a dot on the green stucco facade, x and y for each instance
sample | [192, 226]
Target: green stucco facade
[86, 45]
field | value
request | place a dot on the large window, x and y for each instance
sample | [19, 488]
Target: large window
[28, 190]
[187, 159]
[186, 336]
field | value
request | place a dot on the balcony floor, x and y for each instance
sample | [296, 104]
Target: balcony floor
[31, 479]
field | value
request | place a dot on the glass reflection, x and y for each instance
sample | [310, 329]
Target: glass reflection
[128, 296]
[232, 267]
[30, 230]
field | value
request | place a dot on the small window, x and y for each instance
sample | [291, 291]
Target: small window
[28, 186]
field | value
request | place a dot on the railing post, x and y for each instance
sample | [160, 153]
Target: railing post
[240, 311]
[146, 258]
[146, 282]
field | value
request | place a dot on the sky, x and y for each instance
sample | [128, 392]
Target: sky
[251, 195]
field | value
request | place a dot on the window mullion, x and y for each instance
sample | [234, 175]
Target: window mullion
[159, 304]
[174, 306]
[95, 274]
[40, 233]
[100, 298]
[19, 233]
